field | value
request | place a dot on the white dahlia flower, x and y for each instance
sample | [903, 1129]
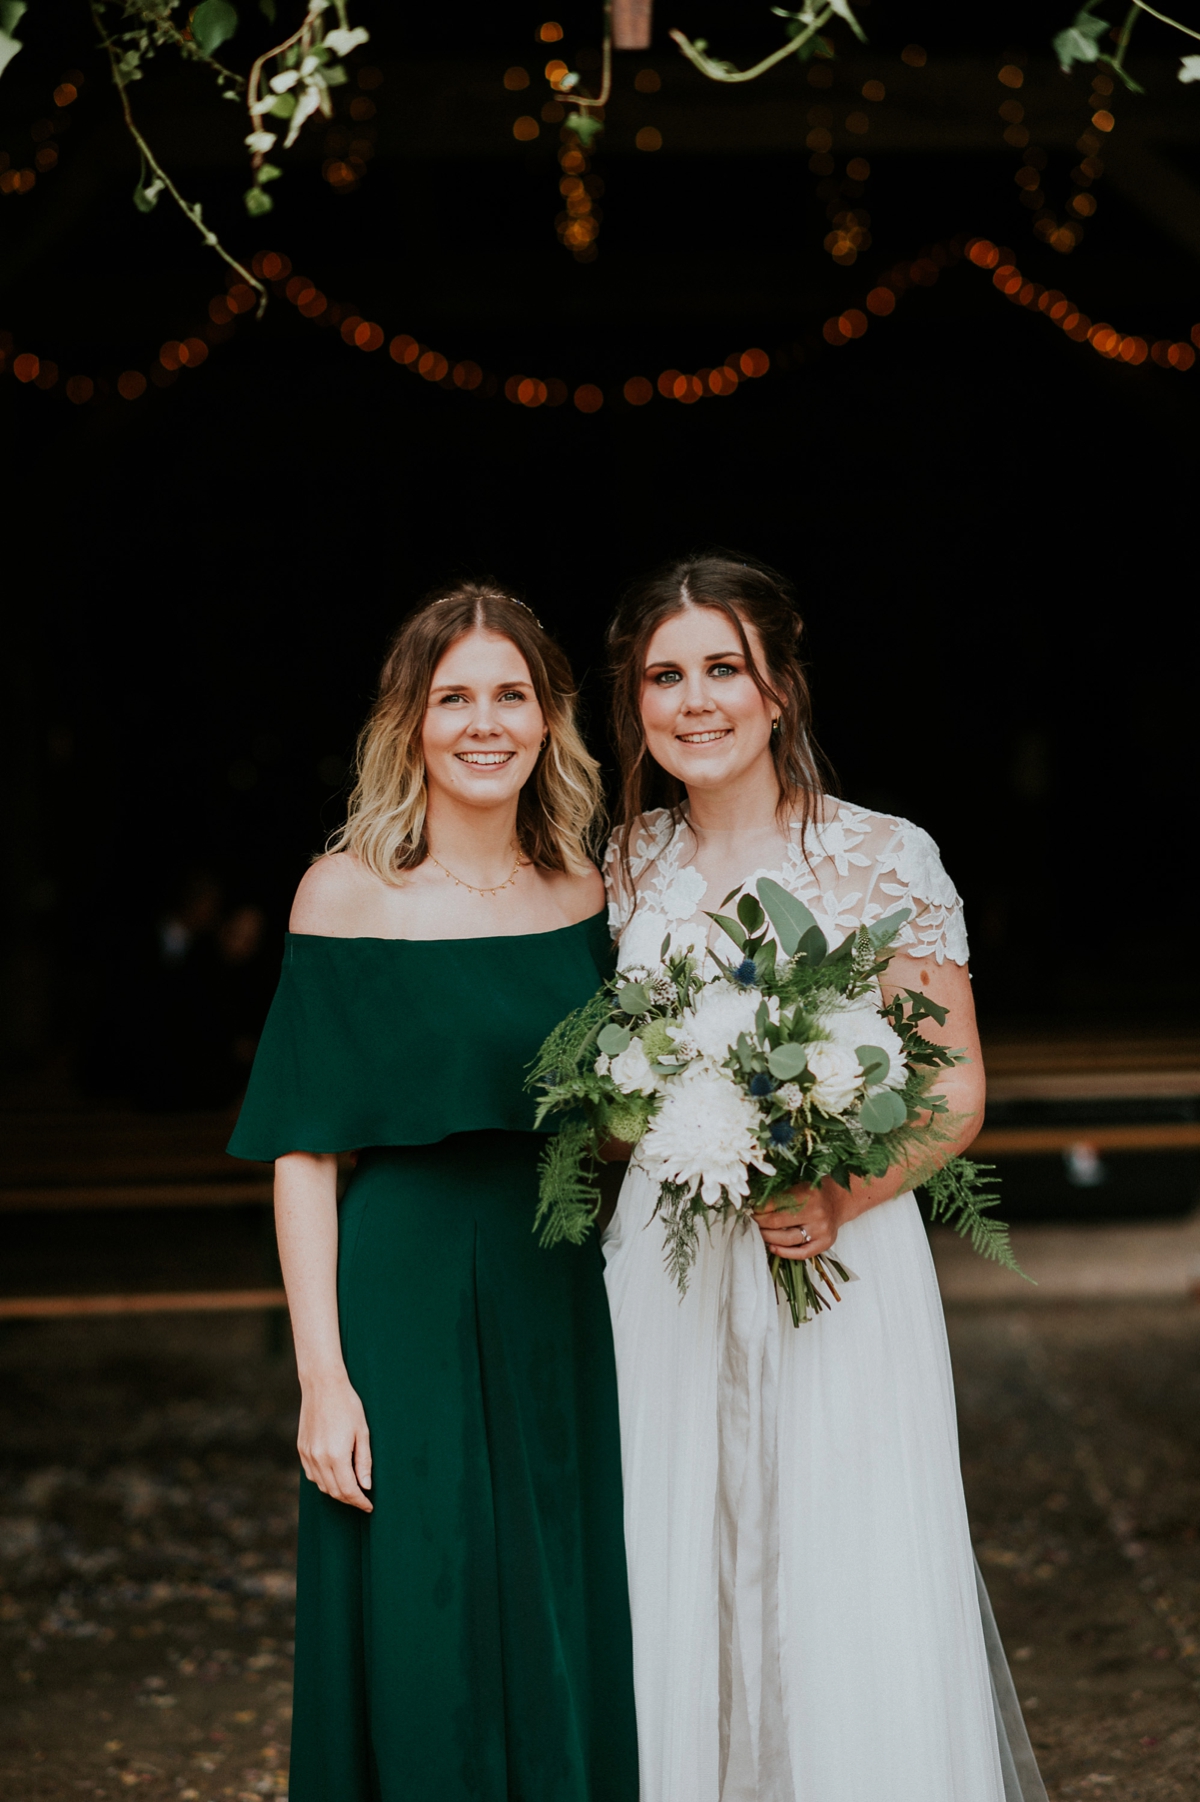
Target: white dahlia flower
[631, 1070]
[718, 1015]
[837, 1077]
[704, 1135]
[854, 1023]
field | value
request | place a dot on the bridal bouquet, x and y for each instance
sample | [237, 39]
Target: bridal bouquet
[783, 1069]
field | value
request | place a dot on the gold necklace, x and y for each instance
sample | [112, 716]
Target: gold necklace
[495, 888]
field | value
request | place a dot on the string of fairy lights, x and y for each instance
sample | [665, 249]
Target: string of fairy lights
[578, 227]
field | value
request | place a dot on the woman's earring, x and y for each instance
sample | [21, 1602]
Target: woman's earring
[775, 727]
[546, 740]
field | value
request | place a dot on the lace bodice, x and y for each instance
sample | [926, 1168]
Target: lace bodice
[854, 868]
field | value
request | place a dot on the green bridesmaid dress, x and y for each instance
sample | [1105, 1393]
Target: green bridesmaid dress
[469, 1640]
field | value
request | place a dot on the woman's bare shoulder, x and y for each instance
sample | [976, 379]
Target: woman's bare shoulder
[339, 898]
[579, 893]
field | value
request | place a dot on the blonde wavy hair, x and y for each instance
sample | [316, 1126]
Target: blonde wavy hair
[559, 810]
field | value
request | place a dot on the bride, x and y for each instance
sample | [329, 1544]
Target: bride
[808, 1621]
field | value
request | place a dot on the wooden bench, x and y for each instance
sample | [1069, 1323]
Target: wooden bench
[85, 1160]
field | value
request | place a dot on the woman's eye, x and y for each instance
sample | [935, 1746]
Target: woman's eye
[447, 699]
[513, 694]
[722, 669]
[667, 678]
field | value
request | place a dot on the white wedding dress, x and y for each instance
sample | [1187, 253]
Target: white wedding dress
[808, 1621]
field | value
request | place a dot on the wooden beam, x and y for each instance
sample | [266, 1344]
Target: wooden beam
[1043, 1141]
[198, 1301]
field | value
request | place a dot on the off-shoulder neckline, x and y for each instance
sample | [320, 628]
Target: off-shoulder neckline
[485, 938]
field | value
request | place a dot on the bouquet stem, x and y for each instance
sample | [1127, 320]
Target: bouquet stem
[795, 1280]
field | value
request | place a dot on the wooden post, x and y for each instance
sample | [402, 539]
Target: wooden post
[631, 24]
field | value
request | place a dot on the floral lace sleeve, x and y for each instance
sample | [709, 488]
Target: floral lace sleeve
[911, 874]
[648, 838]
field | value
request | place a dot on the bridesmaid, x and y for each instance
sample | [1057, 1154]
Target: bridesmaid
[462, 1630]
[808, 1621]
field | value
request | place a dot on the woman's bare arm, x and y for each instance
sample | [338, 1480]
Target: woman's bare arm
[334, 1444]
[829, 1206]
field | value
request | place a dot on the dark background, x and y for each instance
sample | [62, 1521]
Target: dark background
[992, 528]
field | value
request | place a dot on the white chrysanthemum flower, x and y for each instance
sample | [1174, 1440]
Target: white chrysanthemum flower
[837, 1077]
[718, 1015]
[631, 1070]
[704, 1135]
[854, 1023]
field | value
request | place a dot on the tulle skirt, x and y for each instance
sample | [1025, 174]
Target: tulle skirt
[808, 1622]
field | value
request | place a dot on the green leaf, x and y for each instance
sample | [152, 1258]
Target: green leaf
[269, 172]
[613, 1040]
[281, 105]
[750, 913]
[267, 9]
[813, 945]
[731, 928]
[729, 897]
[889, 926]
[765, 959]
[10, 15]
[787, 1061]
[875, 1063]
[634, 998]
[257, 201]
[882, 1113]
[212, 23]
[585, 127]
[663, 949]
[790, 918]
[145, 199]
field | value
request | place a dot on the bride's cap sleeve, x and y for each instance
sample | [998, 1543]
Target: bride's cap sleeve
[622, 897]
[913, 875]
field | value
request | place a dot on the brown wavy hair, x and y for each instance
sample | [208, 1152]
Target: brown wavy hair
[559, 809]
[748, 593]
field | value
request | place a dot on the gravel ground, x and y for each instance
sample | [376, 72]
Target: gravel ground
[147, 1494]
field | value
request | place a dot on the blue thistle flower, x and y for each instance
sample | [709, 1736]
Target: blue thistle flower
[782, 1131]
[746, 973]
[761, 1084]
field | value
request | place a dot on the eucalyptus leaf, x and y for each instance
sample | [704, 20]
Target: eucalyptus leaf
[731, 929]
[875, 1063]
[885, 929]
[882, 1113]
[790, 918]
[814, 945]
[212, 23]
[729, 897]
[612, 1039]
[750, 913]
[634, 998]
[663, 949]
[787, 1061]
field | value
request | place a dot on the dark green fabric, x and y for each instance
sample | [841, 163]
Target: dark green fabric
[469, 1640]
[403, 1041]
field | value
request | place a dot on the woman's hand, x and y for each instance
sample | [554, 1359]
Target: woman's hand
[334, 1443]
[804, 1222]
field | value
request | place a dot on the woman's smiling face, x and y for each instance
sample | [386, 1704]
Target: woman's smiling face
[705, 719]
[483, 725]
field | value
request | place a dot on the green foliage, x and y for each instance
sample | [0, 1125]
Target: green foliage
[1080, 42]
[960, 1195]
[10, 17]
[568, 1193]
[213, 23]
[563, 1054]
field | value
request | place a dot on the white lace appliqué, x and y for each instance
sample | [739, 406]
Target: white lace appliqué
[859, 866]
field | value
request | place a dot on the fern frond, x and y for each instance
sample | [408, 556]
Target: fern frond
[568, 1193]
[960, 1194]
[564, 1051]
